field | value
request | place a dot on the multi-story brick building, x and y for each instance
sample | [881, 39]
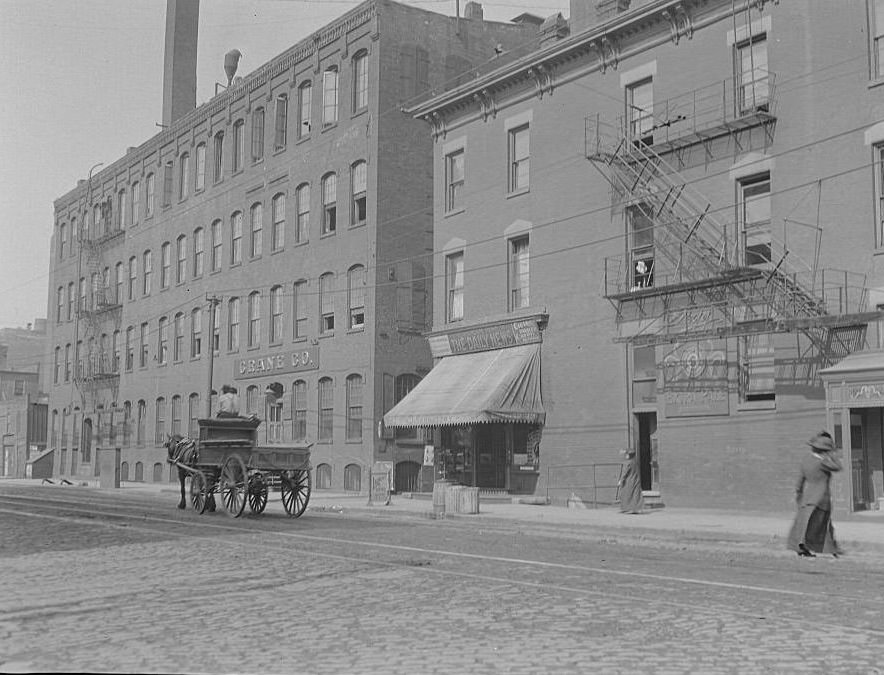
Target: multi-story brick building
[700, 232]
[279, 233]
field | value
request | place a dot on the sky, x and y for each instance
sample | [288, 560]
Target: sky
[83, 81]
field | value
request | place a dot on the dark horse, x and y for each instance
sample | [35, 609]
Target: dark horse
[182, 450]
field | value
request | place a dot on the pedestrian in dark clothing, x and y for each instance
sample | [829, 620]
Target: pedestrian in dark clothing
[812, 531]
[631, 500]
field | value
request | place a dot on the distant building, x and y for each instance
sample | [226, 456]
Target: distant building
[282, 230]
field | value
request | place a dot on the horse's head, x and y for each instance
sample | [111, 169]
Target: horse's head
[171, 444]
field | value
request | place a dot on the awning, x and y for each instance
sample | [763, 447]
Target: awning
[501, 385]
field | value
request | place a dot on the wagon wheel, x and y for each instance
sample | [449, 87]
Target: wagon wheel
[257, 493]
[295, 489]
[199, 491]
[233, 484]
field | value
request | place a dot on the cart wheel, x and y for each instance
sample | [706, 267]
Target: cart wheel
[257, 493]
[295, 489]
[233, 484]
[199, 492]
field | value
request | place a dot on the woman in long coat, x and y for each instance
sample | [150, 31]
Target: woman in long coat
[812, 530]
[631, 500]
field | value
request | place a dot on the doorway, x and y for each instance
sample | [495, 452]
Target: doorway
[646, 432]
[866, 456]
[491, 456]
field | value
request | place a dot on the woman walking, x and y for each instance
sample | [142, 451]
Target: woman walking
[631, 500]
[812, 531]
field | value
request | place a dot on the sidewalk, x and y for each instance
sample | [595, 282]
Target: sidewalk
[860, 533]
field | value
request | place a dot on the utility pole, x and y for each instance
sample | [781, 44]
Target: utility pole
[214, 301]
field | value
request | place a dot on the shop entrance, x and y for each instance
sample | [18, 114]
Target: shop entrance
[866, 456]
[646, 432]
[491, 457]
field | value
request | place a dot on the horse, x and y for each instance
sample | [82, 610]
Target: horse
[182, 450]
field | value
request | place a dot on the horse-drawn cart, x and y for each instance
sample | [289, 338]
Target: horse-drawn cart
[227, 460]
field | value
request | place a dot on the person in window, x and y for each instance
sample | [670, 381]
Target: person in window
[228, 402]
[812, 530]
[631, 500]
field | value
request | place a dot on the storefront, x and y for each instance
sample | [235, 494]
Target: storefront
[482, 400]
[855, 411]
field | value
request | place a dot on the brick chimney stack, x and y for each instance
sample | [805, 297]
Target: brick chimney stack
[179, 66]
[473, 10]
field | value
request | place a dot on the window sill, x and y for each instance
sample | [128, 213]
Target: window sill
[259, 160]
[303, 139]
[214, 272]
[275, 343]
[327, 334]
[361, 223]
[236, 172]
[876, 82]
[518, 193]
[299, 339]
[253, 348]
[453, 212]
[235, 264]
[329, 126]
[277, 251]
[353, 441]
[357, 329]
[359, 112]
[301, 243]
[757, 405]
[328, 234]
[255, 257]
[325, 441]
[198, 191]
[278, 151]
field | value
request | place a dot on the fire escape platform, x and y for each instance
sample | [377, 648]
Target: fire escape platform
[732, 276]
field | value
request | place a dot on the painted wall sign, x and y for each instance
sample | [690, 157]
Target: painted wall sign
[483, 338]
[277, 364]
[695, 380]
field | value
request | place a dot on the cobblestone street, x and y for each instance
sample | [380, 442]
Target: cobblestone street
[96, 584]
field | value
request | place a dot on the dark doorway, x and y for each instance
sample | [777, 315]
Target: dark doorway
[646, 428]
[408, 475]
[491, 456]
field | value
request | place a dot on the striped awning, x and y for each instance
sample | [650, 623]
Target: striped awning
[500, 385]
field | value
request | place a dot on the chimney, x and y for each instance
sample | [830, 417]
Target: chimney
[554, 27]
[608, 9]
[473, 10]
[179, 66]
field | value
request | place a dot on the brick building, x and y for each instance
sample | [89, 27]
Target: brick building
[283, 229]
[697, 239]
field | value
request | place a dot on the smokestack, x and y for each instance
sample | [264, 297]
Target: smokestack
[179, 67]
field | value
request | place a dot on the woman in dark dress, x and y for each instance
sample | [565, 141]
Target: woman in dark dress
[812, 530]
[631, 500]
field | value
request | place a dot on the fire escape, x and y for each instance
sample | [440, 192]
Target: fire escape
[699, 277]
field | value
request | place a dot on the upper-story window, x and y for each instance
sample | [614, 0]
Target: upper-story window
[178, 341]
[256, 241]
[143, 345]
[146, 271]
[421, 70]
[118, 283]
[518, 273]
[168, 181]
[193, 411]
[165, 264]
[299, 309]
[181, 266]
[640, 229]
[277, 212]
[73, 239]
[454, 180]
[254, 333]
[176, 415]
[329, 203]
[276, 315]
[356, 296]
[160, 420]
[198, 251]
[878, 163]
[358, 201]
[326, 303]
[454, 286]
[133, 277]
[299, 410]
[305, 105]
[257, 134]
[62, 242]
[239, 147]
[216, 331]
[236, 238]
[753, 77]
[330, 96]
[876, 12]
[70, 301]
[184, 176]
[302, 198]
[360, 81]
[163, 340]
[354, 407]
[135, 203]
[200, 174]
[150, 192]
[519, 158]
[326, 393]
[218, 164]
[217, 245]
[640, 111]
[281, 122]
[59, 304]
[754, 218]
[81, 304]
[196, 333]
[233, 324]
[122, 211]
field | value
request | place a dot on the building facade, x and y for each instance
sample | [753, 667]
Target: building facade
[279, 233]
[670, 208]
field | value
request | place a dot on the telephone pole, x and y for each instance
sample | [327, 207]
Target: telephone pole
[214, 301]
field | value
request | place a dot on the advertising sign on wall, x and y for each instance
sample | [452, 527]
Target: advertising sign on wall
[695, 379]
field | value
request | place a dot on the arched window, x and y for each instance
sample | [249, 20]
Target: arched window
[323, 477]
[135, 211]
[53, 433]
[216, 246]
[193, 407]
[56, 366]
[302, 199]
[252, 400]
[198, 251]
[256, 218]
[257, 134]
[329, 203]
[200, 169]
[127, 423]
[139, 472]
[115, 352]
[70, 301]
[146, 272]
[299, 410]
[330, 96]
[176, 415]
[218, 164]
[277, 214]
[305, 105]
[59, 304]
[254, 333]
[118, 284]
[178, 338]
[354, 407]
[165, 264]
[124, 471]
[239, 146]
[150, 193]
[356, 296]
[299, 309]
[121, 209]
[133, 277]
[276, 315]
[236, 238]
[280, 129]
[358, 201]
[181, 267]
[184, 176]
[141, 422]
[326, 409]
[326, 303]
[353, 478]
[196, 333]
[233, 324]
[62, 241]
[157, 472]
[163, 340]
[160, 419]
[360, 80]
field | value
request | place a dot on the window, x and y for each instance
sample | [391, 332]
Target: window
[356, 296]
[305, 103]
[59, 304]
[454, 180]
[143, 346]
[256, 217]
[640, 111]
[302, 197]
[326, 303]
[757, 375]
[352, 478]
[360, 81]
[200, 179]
[330, 97]
[127, 421]
[421, 70]
[121, 209]
[326, 410]
[168, 181]
[147, 272]
[218, 166]
[198, 245]
[176, 415]
[878, 161]
[150, 190]
[354, 408]
[277, 214]
[519, 296]
[163, 340]
[454, 287]
[519, 158]
[641, 245]
[184, 176]
[274, 421]
[136, 203]
[752, 74]
[141, 422]
[329, 203]
[56, 366]
[178, 340]
[216, 330]
[216, 246]
[754, 217]
[193, 407]
[276, 318]
[70, 301]
[196, 333]
[236, 238]
[160, 432]
[118, 283]
[323, 477]
[238, 144]
[165, 264]
[233, 324]
[133, 276]
[130, 348]
[115, 348]
[299, 411]
[73, 237]
[62, 242]
[299, 309]
[252, 400]
[258, 134]
[67, 362]
[358, 197]
[254, 334]
[81, 305]
[280, 128]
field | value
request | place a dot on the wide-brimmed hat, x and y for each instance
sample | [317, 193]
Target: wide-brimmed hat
[822, 441]
[627, 452]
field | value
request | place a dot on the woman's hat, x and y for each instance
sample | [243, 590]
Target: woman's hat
[627, 452]
[822, 441]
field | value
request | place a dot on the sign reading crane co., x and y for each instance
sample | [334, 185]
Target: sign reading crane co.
[303, 359]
